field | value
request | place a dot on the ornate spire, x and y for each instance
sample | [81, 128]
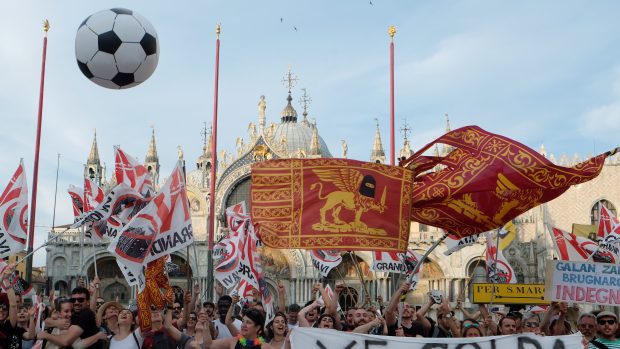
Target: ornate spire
[315, 145]
[205, 159]
[377, 155]
[446, 149]
[151, 154]
[93, 169]
[93, 157]
[289, 114]
[151, 160]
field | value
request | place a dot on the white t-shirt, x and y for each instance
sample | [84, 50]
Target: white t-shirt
[128, 343]
[222, 330]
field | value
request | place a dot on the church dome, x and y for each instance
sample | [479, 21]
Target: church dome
[298, 136]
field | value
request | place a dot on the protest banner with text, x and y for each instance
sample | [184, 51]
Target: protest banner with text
[583, 282]
[315, 338]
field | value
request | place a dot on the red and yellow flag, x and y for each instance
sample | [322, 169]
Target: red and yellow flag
[486, 181]
[331, 204]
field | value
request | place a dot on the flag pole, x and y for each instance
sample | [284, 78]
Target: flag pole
[392, 32]
[213, 165]
[35, 175]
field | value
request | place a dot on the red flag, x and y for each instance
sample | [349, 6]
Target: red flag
[487, 180]
[162, 227]
[129, 171]
[332, 204]
[14, 214]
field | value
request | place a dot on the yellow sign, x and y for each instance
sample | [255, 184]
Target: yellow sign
[509, 294]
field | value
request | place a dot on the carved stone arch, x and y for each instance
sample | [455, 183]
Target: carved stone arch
[62, 287]
[59, 266]
[275, 264]
[298, 264]
[432, 271]
[180, 266]
[116, 289]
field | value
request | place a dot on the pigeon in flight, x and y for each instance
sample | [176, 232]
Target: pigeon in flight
[294, 27]
[281, 19]
[370, 2]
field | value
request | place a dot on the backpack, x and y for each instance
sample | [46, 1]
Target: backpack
[158, 340]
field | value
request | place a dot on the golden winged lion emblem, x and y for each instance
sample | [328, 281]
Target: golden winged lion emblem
[356, 192]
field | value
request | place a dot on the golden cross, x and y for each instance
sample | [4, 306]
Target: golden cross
[289, 80]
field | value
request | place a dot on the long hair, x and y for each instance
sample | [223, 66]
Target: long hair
[269, 328]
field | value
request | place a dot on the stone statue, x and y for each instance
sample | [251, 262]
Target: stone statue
[262, 105]
[252, 132]
[345, 149]
[180, 152]
[283, 145]
[240, 146]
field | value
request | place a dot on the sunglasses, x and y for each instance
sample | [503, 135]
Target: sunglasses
[608, 322]
[77, 299]
[193, 318]
[532, 324]
[469, 324]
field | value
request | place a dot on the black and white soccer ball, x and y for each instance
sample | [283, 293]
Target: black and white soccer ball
[116, 48]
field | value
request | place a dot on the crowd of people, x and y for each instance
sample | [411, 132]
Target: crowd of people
[86, 321]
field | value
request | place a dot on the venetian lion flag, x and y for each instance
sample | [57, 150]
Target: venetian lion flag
[162, 227]
[332, 204]
[487, 180]
[14, 214]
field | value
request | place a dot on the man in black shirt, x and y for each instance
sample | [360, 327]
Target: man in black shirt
[83, 322]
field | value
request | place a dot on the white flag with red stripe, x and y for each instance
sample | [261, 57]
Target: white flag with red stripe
[325, 260]
[571, 247]
[77, 200]
[129, 171]
[499, 270]
[14, 214]
[607, 223]
[162, 227]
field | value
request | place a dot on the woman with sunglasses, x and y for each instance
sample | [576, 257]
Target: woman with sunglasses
[126, 337]
[531, 324]
[190, 325]
[471, 329]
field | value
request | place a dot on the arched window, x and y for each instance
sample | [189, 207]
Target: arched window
[596, 210]
[348, 298]
[241, 192]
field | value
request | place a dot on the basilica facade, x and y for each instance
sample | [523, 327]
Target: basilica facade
[293, 137]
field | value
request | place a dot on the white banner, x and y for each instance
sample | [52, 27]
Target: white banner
[316, 338]
[582, 282]
[454, 243]
[325, 260]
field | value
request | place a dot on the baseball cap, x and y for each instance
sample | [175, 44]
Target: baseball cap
[606, 313]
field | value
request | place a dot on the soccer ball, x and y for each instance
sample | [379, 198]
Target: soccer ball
[116, 48]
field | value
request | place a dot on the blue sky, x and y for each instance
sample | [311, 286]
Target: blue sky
[539, 72]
